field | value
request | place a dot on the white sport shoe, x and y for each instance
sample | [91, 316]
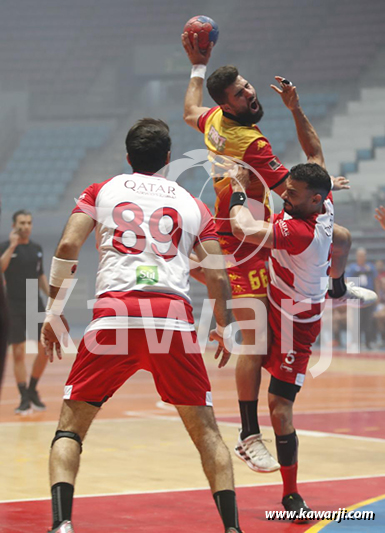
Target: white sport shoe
[65, 527]
[253, 451]
[364, 297]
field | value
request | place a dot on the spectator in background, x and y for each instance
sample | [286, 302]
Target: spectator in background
[379, 314]
[366, 274]
[339, 325]
[22, 259]
[380, 283]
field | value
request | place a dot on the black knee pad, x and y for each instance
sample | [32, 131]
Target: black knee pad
[283, 389]
[68, 435]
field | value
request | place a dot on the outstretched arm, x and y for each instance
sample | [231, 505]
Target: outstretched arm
[243, 225]
[193, 108]
[307, 135]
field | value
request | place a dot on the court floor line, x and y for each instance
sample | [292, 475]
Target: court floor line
[334, 411]
[157, 416]
[307, 432]
[321, 434]
[234, 414]
[318, 434]
[169, 407]
[194, 489]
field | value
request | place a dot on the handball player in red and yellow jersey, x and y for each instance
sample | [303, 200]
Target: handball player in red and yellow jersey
[230, 131]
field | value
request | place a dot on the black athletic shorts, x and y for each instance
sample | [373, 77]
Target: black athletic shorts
[17, 329]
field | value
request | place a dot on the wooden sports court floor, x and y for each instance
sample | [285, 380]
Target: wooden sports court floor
[139, 471]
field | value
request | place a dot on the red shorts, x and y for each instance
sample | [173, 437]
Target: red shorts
[285, 364]
[249, 279]
[100, 367]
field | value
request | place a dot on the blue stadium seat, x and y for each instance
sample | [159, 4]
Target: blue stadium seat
[364, 154]
[348, 167]
[46, 160]
[378, 142]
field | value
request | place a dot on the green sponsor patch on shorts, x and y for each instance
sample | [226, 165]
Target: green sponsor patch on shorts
[147, 275]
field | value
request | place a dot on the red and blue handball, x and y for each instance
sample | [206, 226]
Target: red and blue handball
[206, 29]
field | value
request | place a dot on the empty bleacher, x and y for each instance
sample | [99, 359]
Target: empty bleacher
[45, 162]
[59, 52]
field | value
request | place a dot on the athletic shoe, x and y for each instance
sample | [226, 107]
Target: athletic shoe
[233, 530]
[65, 527]
[294, 502]
[365, 297]
[253, 451]
[34, 398]
[24, 407]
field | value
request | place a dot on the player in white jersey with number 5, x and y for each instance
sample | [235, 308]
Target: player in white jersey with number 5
[300, 239]
[145, 228]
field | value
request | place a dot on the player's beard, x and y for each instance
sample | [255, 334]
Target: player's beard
[248, 117]
[293, 211]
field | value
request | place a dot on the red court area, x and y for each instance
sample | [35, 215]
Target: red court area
[187, 511]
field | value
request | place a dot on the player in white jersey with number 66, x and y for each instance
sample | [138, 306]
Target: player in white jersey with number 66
[145, 229]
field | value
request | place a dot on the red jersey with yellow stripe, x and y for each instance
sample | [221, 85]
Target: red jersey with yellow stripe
[225, 136]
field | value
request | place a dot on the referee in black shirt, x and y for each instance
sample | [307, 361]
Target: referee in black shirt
[22, 259]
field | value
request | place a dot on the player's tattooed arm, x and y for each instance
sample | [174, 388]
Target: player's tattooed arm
[193, 101]
[243, 225]
[306, 133]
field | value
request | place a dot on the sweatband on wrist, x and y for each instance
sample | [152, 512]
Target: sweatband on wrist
[237, 198]
[54, 306]
[62, 269]
[198, 71]
[332, 185]
[220, 330]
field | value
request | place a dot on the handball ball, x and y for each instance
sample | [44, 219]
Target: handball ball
[206, 28]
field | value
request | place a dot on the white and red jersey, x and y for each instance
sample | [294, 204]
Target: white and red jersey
[145, 228]
[300, 260]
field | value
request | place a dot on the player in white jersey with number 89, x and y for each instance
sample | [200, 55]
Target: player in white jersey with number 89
[145, 228]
